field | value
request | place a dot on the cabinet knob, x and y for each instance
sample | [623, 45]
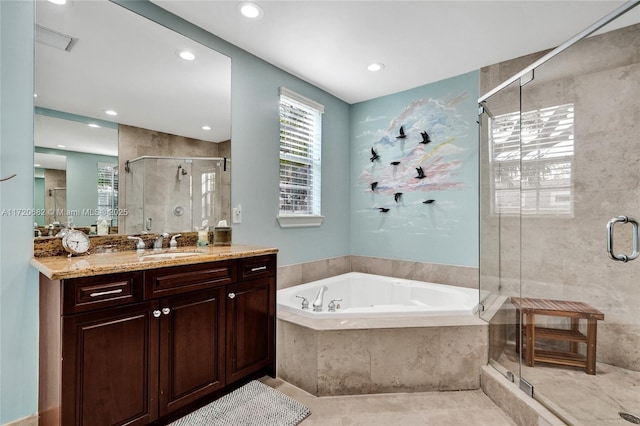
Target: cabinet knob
[232, 295]
[166, 311]
[157, 313]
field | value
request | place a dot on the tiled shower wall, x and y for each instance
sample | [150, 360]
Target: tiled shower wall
[461, 276]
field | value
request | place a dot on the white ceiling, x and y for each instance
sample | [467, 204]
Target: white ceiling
[126, 62]
[330, 43]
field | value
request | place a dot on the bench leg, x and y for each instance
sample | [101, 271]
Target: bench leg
[592, 338]
[573, 346]
[531, 339]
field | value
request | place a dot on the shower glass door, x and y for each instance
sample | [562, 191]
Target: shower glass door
[564, 313]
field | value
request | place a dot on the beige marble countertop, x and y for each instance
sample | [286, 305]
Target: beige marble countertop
[62, 267]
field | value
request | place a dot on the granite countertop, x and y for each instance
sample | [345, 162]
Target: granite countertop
[62, 267]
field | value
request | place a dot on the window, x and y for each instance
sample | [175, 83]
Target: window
[108, 192]
[300, 160]
[532, 161]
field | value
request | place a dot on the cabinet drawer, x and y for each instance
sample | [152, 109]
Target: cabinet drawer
[88, 293]
[257, 267]
[180, 279]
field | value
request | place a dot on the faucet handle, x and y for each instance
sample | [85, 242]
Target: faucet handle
[332, 305]
[139, 244]
[305, 302]
[173, 243]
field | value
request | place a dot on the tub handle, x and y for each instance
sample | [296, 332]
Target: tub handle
[305, 302]
[333, 306]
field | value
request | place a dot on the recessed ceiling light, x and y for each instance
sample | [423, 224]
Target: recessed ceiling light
[59, 2]
[206, 128]
[94, 125]
[110, 112]
[250, 10]
[36, 165]
[35, 95]
[375, 66]
[186, 55]
[61, 146]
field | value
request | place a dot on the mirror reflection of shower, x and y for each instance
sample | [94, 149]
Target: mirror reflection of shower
[175, 194]
[58, 204]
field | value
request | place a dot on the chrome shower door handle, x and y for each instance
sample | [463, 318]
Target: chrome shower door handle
[610, 225]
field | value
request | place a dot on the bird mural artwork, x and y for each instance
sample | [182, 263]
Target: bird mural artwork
[428, 201]
[425, 138]
[402, 135]
[374, 185]
[374, 155]
[420, 173]
[383, 209]
[395, 163]
[397, 196]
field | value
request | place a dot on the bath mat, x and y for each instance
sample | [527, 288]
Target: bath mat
[254, 404]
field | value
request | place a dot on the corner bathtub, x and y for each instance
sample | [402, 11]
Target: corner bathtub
[388, 335]
[370, 296]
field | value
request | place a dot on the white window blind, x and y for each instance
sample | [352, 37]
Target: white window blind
[107, 190]
[300, 155]
[532, 161]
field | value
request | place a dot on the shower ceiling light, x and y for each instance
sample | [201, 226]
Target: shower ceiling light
[111, 112]
[58, 2]
[186, 55]
[206, 128]
[375, 66]
[250, 10]
[94, 125]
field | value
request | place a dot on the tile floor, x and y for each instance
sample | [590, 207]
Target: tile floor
[582, 399]
[454, 408]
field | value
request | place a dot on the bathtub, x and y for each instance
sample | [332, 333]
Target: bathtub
[388, 335]
[371, 296]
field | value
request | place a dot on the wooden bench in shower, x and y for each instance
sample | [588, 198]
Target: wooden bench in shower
[531, 333]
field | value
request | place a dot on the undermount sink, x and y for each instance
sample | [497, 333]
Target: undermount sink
[167, 255]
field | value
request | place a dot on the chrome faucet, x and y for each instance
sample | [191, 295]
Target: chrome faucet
[157, 244]
[317, 303]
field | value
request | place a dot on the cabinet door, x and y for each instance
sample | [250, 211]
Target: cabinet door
[250, 327]
[191, 347]
[109, 366]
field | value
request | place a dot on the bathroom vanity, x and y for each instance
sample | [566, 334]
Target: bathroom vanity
[128, 338]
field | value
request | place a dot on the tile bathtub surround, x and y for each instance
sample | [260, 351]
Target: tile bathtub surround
[381, 360]
[462, 276]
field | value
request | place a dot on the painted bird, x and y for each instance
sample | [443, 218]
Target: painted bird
[395, 163]
[374, 185]
[397, 196]
[402, 135]
[374, 155]
[425, 138]
[420, 173]
[383, 209]
[428, 201]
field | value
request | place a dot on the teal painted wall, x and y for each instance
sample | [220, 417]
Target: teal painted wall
[446, 230]
[18, 281]
[82, 182]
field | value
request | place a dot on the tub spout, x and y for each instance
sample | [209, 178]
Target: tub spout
[317, 303]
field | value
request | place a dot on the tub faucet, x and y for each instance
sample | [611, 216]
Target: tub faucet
[157, 244]
[317, 303]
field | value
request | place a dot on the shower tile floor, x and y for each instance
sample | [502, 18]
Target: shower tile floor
[397, 409]
[581, 398]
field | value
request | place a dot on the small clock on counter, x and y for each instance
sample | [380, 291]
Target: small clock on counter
[75, 242]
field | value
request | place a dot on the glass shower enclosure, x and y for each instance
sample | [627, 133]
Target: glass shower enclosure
[175, 194]
[560, 196]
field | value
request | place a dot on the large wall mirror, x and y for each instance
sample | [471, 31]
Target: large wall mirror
[122, 121]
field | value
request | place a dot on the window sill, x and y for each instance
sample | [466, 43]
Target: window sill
[294, 221]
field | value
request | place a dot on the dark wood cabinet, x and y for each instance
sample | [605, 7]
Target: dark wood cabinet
[192, 347]
[130, 348]
[250, 327]
[109, 359]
